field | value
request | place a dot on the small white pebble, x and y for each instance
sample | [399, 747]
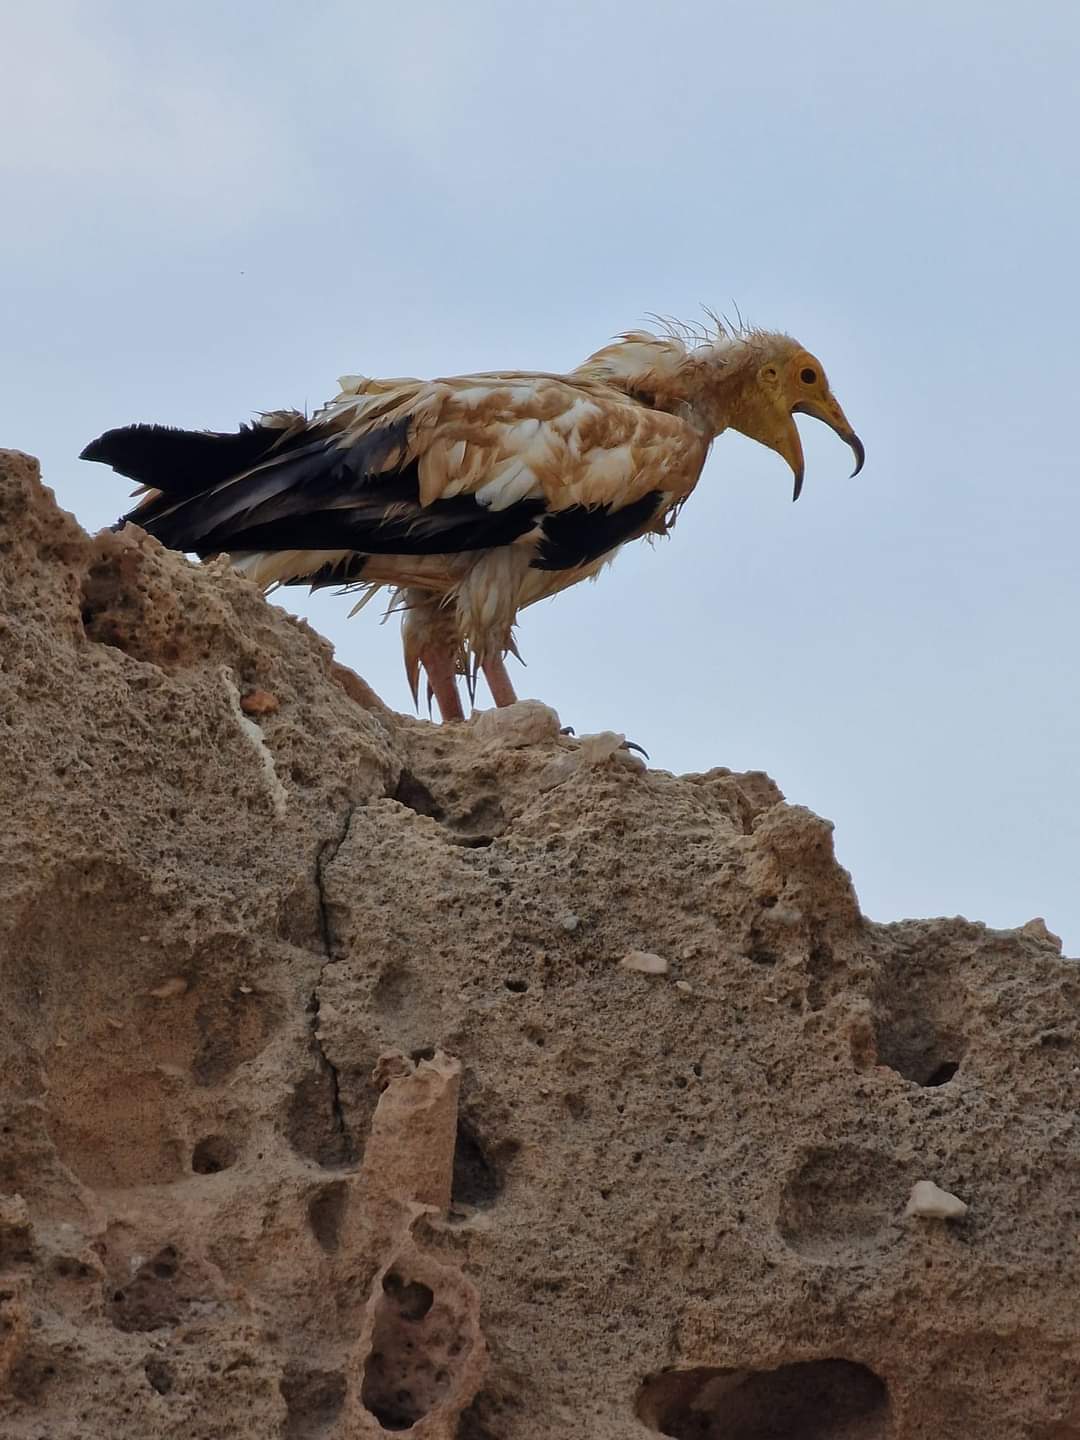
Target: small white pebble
[932, 1203]
[245, 989]
[168, 989]
[569, 923]
[684, 986]
[644, 962]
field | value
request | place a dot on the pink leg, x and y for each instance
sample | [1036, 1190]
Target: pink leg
[442, 682]
[502, 691]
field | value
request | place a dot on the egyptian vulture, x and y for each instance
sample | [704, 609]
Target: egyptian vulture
[474, 496]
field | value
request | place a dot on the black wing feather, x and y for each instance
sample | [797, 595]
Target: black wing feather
[305, 487]
[315, 473]
[579, 534]
[182, 462]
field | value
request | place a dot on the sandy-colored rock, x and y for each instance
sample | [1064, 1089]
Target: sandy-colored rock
[259, 702]
[929, 1202]
[570, 1203]
[644, 962]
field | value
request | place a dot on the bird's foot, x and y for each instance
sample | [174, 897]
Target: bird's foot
[626, 744]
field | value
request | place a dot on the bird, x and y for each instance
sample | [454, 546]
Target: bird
[471, 497]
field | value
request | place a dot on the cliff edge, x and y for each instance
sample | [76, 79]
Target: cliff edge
[360, 1076]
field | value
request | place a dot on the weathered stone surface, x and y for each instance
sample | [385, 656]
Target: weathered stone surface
[281, 975]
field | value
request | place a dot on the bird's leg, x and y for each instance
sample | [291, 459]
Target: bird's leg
[499, 683]
[441, 670]
[430, 643]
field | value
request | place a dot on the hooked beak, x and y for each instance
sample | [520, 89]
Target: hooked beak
[829, 413]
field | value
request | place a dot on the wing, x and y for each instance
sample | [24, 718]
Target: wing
[414, 468]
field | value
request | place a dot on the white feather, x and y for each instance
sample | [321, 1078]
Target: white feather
[511, 482]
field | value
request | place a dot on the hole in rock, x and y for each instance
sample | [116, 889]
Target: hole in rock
[413, 793]
[762, 955]
[1054, 1040]
[69, 1269]
[213, 1154]
[491, 1415]
[813, 1400]
[517, 987]
[412, 1298]
[919, 1052]
[229, 1033]
[842, 1202]
[313, 1401]
[477, 1178]
[480, 825]
[821, 975]
[108, 613]
[919, 1011]
[150, 1301]
[159, 1374]
[313, 1124]
[29, 1378]
[407, 1371]
[326, 1209]
[164, 1263]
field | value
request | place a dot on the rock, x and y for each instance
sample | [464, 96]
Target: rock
[259, 702]
[645, 962]
[167, 990]
[569, 1204]
[930, 1202]
[1038, 930]
[528, 722]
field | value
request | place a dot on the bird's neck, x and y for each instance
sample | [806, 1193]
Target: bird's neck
[718, 383]
[703, 386]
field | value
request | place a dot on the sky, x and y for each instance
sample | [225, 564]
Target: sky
[212, 211]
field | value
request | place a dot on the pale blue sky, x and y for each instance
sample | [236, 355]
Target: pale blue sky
[212, 210]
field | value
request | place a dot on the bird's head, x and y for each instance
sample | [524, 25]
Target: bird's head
[753, 381]
[773, 380]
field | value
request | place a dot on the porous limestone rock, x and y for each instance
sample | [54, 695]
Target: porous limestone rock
[325, 1112]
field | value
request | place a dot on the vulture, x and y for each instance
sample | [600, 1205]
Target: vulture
[472, 497]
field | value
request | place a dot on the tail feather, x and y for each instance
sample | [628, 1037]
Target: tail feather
[184, 462]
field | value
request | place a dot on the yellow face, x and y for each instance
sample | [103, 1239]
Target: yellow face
[790, 381]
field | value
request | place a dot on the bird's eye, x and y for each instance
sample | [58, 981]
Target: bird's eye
[808, 376]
